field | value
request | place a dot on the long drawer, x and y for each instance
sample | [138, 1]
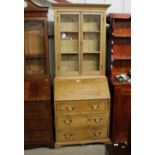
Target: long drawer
[82, 134]
[37, 105]
[85, 106]
[36, 114]
[39, 124]
[37, 110]
[80, 121]
[37, 135]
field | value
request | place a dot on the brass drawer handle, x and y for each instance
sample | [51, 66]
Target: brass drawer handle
[67, 122]
[97, 134]
[97, 120]
[95, 107]
[70, 108]
[46, 79]
[68, 136]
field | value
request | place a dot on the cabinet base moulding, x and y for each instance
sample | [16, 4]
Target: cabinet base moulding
[37, 145]
[61, 144]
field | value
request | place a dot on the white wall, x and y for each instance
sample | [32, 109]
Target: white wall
[117, 6]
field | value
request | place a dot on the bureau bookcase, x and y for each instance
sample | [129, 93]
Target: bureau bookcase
[81, 92]
[120, 55]
[37, 85]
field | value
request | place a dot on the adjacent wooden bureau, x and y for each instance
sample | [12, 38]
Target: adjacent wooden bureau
[82, 110]
[81, 92]
[38, 129]
[120, 56]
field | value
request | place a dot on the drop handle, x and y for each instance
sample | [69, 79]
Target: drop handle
[70, 108]
[97, 120]
[68, 136]
[94, 107]
[97, 134]
[46, 79]
[67, 122]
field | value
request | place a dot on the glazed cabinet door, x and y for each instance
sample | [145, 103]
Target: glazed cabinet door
[68, 54]
[91, 42]
[79, 43]
[35, 47]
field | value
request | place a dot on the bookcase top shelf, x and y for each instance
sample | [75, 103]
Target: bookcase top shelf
[80, 6]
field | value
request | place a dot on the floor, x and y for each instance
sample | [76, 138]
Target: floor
[95, 149]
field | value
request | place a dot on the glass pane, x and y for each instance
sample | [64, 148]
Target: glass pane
[91, 42]
[34, 66]
[69, 23]
[69, 63]
[69, 42]
[91, 22]
[69, 31]
[34, 47]
[33, 38]
[91, 63]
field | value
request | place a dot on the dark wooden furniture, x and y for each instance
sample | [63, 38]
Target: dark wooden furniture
[120, 62]
[120, 111]
[37, 86]
[120, 149]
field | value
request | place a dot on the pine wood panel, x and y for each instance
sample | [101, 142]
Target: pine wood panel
[86, 106]
[79, 121]
[82, 134]
[81, 88]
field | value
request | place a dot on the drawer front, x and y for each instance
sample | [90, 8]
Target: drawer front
[36, 89]
[37, 135]
[80, 121]
[73, 107]
[36, 114]
[37, 105]
[83, 134]
[37, 110]
[37, 124]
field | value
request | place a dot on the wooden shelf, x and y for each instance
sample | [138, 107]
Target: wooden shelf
[69, 31]
[69, 52]
[122, 58]
[96, 52]
[115, 82]
[121, 36]
[91, 31]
